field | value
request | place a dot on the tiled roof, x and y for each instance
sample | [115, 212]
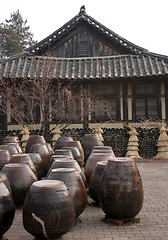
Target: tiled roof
[119, 66]
[83, 17]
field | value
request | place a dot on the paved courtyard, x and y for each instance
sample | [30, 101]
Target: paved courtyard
[153, 216]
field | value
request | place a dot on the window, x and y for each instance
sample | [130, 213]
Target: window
[147, 101]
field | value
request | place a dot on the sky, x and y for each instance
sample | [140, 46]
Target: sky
[142, 22]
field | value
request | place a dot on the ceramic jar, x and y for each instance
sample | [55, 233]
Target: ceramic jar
[4, 158]
[80, 148]
[7, 209]
[21, 178]
[61, 142]
[76, 154]
[12, 149]
[121, 190]
[74, 182]
[5, 180]
[96, 180]
[67, 163]
[36, 159]
[91, 163]
[44, 154]
[48, 211]
[88, 142]
[25, 159]
[11, 139]
[34, 139]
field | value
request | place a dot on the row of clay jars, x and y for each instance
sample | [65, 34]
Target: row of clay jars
[48, 210]
[117, 186]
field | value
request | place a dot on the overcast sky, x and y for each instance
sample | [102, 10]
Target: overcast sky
[142, 22]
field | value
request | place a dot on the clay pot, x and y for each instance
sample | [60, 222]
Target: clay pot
[67, 163]
[12, 149]
[5, 180]
[121, 190]
[7, 209]
[4, 158]
[91, 163]
[36, 159]
[21, 178]
[102, 149]
[44, 154]
[11, 139]
[25, 159]
[48, 211]
[74, 182]
[96, 179]
[76, 154]
[61, 142]
[17, 146]
[33, 139]
[55, 157]
[88, 142]
[80, 148]
[66, 152]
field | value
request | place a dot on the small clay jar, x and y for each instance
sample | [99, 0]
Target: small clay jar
[7, 209]
[76, 154]
[55, 157]
[25, 159]
[36, 159]
[121, 189]
[74, 182]
[33, 139]
[12, 149]
[5, 180]
[88, 142]
[66, 152]
[21, 178]
[96, 179]
[80, 148]
[48, 211]
[44, 154]
[67, 163]
[10, 139]
[91, 163]
[61, 142]
[4, 158]
[17, 145]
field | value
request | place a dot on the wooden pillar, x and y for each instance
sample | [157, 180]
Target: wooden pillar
[163, 102]
[121, 102]
[129, 101]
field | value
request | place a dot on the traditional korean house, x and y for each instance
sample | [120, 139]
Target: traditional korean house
[129, 79]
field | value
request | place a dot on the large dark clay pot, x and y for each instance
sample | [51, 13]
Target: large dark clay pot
[80, 148]
[7, 209]
[33, 139]
[96, 180]
[36, 159]
[74, 182]
[4, 158]
[25, 159]
[91, 163]
[11, 139]
[76, 154]
[121, 190]
[44, 154]
[48, 211]
[21, 178]
[61, 142]
[67, 163]
[88, 142]
[11, 148]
